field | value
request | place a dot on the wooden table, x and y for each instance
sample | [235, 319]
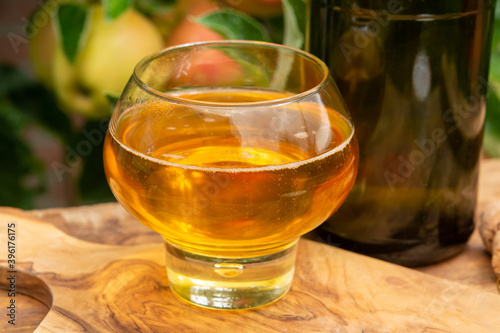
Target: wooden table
[110, 224]
[473, 266]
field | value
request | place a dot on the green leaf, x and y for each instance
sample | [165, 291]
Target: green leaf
[493, 110]
[491, 140]
[41, 106]
[113, 100]
[232, 24]
[93, 185]
[114, 8]
[21, 172]
[294, 12]
[496, 36]
[12, 116]
[25, 104]
[275, 27]
[494, 74]
[12, 79]
[71, 21]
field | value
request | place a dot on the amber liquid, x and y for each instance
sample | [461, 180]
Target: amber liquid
[241, 183]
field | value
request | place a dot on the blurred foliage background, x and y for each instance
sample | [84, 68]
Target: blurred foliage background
[64, 62]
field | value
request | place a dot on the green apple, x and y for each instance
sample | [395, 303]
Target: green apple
[41, 52]
[106, 62]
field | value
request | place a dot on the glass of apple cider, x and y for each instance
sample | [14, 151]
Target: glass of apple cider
[231, 151]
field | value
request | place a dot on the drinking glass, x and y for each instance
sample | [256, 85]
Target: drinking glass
[231, 151]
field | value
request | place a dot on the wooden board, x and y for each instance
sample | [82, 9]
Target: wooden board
[472, 267]
[117, 283]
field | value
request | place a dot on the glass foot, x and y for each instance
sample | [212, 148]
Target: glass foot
[229, 283]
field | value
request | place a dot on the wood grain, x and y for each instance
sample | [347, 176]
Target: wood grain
[472, 267]
[31, 313]
[99, 270]
[121, 288]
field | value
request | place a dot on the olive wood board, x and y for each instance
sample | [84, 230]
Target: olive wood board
[98, 287]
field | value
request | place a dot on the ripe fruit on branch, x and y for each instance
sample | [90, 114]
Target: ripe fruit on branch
[106, 62]
[190, 31]
[41, 52]
[109, 50]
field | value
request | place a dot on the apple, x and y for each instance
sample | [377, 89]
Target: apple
[207, 67]
[105, 63]
[41, 52]
[188, 30]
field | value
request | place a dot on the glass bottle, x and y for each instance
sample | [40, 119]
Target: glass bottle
[414, 77]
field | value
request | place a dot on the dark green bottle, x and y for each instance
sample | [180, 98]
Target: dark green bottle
[414, 77]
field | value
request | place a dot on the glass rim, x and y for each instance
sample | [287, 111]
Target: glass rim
[209, 104]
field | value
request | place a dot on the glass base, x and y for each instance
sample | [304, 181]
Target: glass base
[230, 283]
